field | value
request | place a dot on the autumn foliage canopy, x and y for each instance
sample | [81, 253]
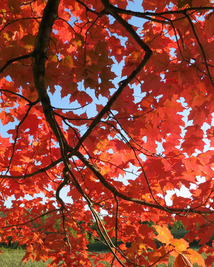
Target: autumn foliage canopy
[106, 114]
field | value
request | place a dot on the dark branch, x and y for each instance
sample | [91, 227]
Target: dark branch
[124, 83]
[10, 61]
[117, 193]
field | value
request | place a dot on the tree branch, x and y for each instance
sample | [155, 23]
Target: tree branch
[10, 61]
[115, 192]
[124, 83]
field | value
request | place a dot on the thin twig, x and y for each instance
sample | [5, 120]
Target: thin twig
[10, 61]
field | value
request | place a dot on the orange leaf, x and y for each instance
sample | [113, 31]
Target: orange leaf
[159, 254]
[181, 260]
[179, 244]
[195, 257]
[5, 117]
[164, 234]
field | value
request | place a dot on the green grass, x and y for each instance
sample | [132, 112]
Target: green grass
[13, 257]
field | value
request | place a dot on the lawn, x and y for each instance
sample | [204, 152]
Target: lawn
[13, 257]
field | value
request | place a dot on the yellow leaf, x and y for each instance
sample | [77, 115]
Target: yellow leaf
[54, 58]
[68, 61]
[7, 35]
[35, 143]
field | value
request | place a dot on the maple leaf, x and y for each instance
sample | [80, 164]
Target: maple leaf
[164, 234]
[160, 254]
[145, 68]
[181, 260]
[15, 6]
[195, 257]
[193, 136]
[179, 244]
